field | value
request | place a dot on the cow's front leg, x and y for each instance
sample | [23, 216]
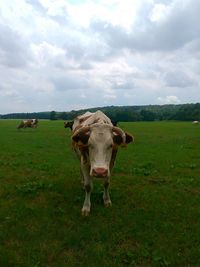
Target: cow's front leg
[88, 188]
[82, 178]
[106, 196]
[87, 203]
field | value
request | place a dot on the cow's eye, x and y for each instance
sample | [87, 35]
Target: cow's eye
[110, 146]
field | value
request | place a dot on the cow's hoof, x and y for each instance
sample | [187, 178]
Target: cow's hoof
[85, 211]
[108, 203]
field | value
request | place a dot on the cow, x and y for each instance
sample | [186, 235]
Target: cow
[30, 123]
[68, 124]
[96, 141]
[195, 122]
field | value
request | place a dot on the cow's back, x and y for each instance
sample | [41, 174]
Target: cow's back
[90, 118]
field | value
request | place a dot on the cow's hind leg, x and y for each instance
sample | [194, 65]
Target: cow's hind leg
[106, 196]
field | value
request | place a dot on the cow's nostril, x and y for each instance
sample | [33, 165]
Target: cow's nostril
[100, 172]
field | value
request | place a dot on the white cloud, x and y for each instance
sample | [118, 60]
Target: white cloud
[109, 96]
[64, 54]
[159, 12]
[46, 52]
[170, 99]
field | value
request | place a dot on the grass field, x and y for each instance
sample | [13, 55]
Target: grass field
[155, 191]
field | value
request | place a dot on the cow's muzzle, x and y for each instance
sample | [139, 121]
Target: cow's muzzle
[99, 172]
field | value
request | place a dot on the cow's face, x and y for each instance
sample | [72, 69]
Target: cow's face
[100, 146]
[100, 141]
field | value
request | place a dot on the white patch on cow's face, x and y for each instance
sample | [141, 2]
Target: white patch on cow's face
[100, 145]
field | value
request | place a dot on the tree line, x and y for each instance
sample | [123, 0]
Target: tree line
[182, 112]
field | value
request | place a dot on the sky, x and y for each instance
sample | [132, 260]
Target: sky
[68, 55]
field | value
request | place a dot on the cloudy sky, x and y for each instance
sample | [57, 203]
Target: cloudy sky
[73, 54]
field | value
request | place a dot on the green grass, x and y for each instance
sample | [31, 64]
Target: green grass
[155, 191]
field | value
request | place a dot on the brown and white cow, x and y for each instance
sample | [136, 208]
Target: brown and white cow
[96, 141]
[31, 123]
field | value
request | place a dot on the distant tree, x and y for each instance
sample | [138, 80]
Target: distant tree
[188, 112]
[52, 115]
[147, 115]
[63, 116]
[182, 112]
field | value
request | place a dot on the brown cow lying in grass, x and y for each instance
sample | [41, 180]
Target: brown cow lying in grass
[31, 123]
[96, 141]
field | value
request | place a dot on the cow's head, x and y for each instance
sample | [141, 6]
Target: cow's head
[100, 140]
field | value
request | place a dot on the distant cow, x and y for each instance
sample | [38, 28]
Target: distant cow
[31, 123]
[68, 124]
[195, 122]
[96, 142]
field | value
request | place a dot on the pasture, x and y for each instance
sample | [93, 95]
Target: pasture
[155, 191]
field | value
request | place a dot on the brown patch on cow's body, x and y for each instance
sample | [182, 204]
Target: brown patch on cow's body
[114, 154]
[77, 128]
[84, 119]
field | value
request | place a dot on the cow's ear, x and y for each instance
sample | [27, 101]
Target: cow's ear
[129, 138]
[81, 138]
[117, 138]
